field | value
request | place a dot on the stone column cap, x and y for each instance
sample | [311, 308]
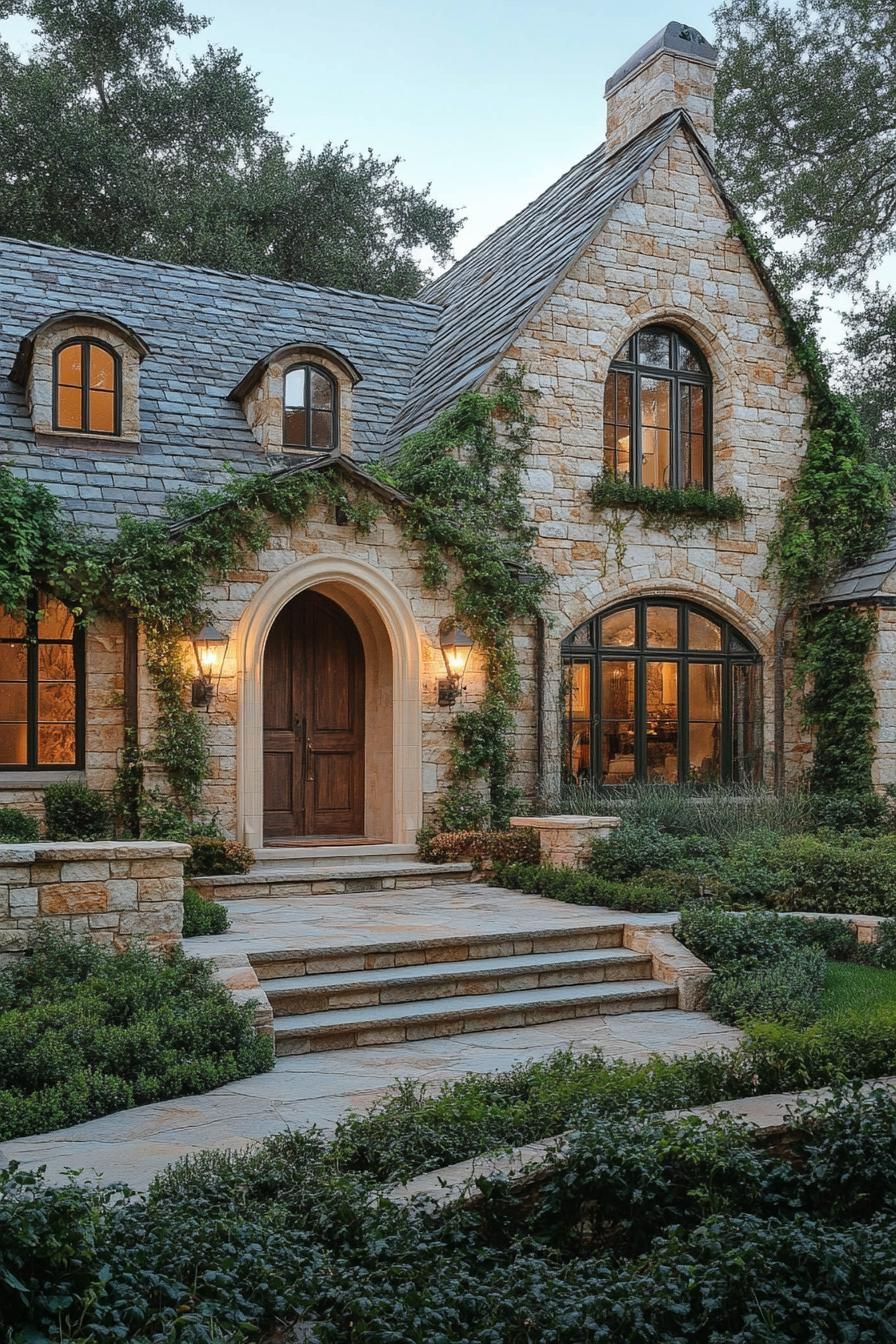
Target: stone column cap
[566, 822]
[68, 850]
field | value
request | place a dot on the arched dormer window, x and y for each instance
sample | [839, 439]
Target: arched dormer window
[86, 387]
[658, 413]
[41, 687]
[309, 409]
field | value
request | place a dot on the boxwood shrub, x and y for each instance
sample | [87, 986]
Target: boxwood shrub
[84, 1031]
[201, 916]
[17, 827]
[75, 812]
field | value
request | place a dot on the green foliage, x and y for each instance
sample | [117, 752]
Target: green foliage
[633, 848]
[724, 812]
[215, 855]
[519, 845]
[17, 827]
[75, 812]
[127, 791]
[654, 891]
[666, 509]
[839, 702]
[852, 990]
[84, 1031]
[142, 155]
[464, 478]
[202, 917]
[764, 966]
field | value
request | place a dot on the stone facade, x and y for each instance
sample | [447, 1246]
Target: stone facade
[664, 254]
[111, 892]
[263, 401]
[39, 386]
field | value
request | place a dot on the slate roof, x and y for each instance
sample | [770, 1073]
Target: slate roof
[205, 329]
[864, 583]
[488, 296]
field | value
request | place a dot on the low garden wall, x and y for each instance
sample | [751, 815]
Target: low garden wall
[112, 891]
[566, 841]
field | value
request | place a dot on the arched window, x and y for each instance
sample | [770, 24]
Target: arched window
[657, 412]
[41, 688]
[86, 387]
[660, 690]
[309, 409]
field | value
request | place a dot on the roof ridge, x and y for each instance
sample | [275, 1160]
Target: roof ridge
[252, 276]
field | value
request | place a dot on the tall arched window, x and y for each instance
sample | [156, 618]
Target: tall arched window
[661, 690]
[41, 688]
[86, 387]
[309, 409]
[657, 412]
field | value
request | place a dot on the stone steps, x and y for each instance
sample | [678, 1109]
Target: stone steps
[389, 1024]
[313, 961]
[298, 878]
[291, 995]
[332, 856]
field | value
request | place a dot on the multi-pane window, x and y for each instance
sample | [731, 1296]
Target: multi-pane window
[309, 409]
[86, 388]
[41, 687]
[657, 412]
[660, 691]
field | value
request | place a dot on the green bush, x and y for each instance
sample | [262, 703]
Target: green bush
[884, 950]
[17, 827]
[202, 917]
[214, 856]
[84, 1032]
[75, 812]
[850, 811]
[765, 966]
[843, 875]
[654, 893]
[518, 845]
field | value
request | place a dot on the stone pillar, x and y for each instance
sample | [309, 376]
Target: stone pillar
[566, 841]
[109, 891]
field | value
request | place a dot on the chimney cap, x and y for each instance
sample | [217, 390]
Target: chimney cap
[682, 39]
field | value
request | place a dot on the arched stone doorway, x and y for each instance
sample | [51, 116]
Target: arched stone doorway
[361, 621]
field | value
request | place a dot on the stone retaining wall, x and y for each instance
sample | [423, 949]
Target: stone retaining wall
[111, 891]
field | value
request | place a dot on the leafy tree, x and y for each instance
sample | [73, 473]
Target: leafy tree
[108, 142]
[806, 111]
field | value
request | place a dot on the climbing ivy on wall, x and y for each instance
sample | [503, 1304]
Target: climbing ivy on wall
[465, 503]
[836, 516]
[463, 477]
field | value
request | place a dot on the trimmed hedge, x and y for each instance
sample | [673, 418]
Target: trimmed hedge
[84, 1031]
[518, 845]
[17, 827]
[75, 812]
[202, 917]
[655, 892]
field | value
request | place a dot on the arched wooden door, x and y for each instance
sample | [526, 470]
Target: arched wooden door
[313, 723]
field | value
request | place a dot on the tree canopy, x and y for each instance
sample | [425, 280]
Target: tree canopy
[107, 141]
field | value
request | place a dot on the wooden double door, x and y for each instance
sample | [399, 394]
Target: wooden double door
[313, 723]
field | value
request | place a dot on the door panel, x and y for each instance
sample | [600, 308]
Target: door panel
[314, 722]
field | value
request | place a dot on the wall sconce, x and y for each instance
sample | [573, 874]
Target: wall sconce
[209, 646]
[456, 646]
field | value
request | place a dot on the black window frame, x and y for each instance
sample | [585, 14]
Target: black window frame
[86, 342]
[627, 361]
[307, 447]
[736, 651]
[33, 642]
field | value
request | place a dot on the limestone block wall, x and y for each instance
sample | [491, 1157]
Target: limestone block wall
[664, 254]
[882, 668]
[110, 891]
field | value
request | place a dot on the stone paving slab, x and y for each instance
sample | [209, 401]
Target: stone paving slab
[131, 1146]
[360, 919]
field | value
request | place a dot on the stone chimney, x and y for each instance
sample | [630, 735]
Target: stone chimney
[676, 68]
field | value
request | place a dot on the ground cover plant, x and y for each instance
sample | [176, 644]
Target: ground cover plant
[84, 1032]
[201, 916]
[649, 1229]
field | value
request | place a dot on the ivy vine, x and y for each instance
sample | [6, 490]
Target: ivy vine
[464, 502]
[678, 512]
[835, 516]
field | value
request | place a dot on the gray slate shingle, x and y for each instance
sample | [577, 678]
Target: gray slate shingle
[864, 583]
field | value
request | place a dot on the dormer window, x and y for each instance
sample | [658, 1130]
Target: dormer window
[309, 409]
[86, 388]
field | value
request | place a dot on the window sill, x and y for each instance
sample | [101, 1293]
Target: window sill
[668, 507]
[59, 439]
[37, 779]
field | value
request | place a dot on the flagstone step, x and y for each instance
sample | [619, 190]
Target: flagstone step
[313, 961]
[447, 979]
[332, 855]
[296, 878]
[389, 1024]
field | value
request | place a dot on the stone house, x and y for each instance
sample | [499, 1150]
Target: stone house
[657, 353]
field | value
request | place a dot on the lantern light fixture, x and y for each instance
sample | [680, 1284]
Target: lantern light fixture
[210, 648]
[456, 646]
